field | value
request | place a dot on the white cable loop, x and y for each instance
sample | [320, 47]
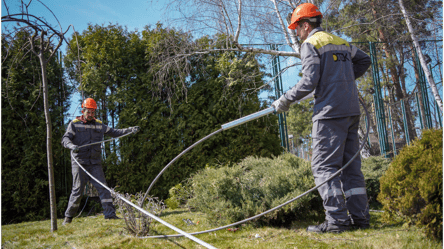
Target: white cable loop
[189, 235]
[203, 243]
[286, 203]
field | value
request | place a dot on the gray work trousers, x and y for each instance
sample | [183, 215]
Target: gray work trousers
[335, 142]
[79, 180]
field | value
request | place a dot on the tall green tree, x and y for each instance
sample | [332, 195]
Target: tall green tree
[173, 117]
[25, 193]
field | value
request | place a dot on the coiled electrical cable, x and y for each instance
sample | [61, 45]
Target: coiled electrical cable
[277, 207]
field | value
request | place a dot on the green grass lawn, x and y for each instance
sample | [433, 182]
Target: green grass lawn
[96, 232]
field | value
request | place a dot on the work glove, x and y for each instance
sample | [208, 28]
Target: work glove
[281, 105]
[135, 129]
[74, 148]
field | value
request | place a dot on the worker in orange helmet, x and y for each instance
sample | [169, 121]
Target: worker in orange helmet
[86, 129]
[330, 66]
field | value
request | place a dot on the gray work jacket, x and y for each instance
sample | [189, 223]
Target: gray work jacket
[80, 133]
[330, 66]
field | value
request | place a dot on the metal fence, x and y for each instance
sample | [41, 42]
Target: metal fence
[397, 95]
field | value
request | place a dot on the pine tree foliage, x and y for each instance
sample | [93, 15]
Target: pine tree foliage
[108, 57]
[25, 193]
[216, 93]
[219, 87]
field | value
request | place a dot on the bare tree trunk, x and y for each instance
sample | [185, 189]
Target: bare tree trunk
[421, 56]
[38, 25]
[52, 196]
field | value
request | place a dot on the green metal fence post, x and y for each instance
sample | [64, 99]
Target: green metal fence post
[404, 118]
[279, 92]
[419, 111]
[424, 95]
[391, 128]
[379, 104]
[438, 112]
[282, 92]
[366, 127]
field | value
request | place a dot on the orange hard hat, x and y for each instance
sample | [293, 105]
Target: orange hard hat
[303, 11]
[89, 103]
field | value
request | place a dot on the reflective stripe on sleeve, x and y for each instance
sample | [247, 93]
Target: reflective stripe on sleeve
[355, 191]
[107, 200]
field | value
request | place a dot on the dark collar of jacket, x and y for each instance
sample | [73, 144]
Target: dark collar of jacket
[82, 118]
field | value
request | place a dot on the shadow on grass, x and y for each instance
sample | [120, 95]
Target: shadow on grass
[166, 238]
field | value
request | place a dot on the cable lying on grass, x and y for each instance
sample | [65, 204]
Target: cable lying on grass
[203, 243]
[243, 120]
[224, 127]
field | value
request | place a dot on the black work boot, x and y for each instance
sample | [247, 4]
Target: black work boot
[357, 226]
[327, 228]
[67, 221]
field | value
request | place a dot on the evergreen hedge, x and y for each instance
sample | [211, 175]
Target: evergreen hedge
[169, 126]
[231, 193]
[411, 188]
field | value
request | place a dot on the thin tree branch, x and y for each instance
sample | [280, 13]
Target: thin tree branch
[281, 22]
[239, 19]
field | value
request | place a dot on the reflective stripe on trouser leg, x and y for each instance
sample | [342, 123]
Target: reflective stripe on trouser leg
[79, 180]
[352, 179]
[329, 139]
[105, 196]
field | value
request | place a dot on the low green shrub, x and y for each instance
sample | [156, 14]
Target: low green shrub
[373, 169]
[411, 189]
[178, 196]
[235, 192]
